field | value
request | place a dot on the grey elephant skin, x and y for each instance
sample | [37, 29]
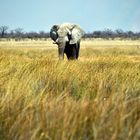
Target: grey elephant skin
[67, 36]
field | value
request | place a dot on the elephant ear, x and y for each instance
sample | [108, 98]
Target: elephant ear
[76, 34]
[53, 32]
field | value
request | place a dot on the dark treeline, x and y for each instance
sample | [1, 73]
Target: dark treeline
[109, 34]
[20, 34]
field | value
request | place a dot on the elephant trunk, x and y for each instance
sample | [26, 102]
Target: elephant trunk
[61, 53]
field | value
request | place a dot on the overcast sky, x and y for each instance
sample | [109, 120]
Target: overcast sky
[36, 15]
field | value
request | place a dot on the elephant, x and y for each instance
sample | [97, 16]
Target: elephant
[67, 36]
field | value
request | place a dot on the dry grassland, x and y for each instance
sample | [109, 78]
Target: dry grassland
[94, 98]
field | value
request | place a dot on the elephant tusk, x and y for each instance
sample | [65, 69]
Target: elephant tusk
[55, 43]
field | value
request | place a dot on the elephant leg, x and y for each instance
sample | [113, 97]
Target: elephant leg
[77, 49]
[74, 51]
[67, 50]
[70, 51]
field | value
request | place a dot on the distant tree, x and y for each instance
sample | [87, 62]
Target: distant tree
[87, 35]
[119, 33]
[108, 33]
[97, 34]
[138, 34]
[11, 34]
[31, 35]
[3, 31]
[43, 34]
[18, 33]
[130, 34]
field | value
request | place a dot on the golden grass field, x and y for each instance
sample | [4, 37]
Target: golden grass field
[94, 98]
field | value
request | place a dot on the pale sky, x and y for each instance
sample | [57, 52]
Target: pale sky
[37, 15]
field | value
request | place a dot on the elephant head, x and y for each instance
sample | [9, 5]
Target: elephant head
[67, 36]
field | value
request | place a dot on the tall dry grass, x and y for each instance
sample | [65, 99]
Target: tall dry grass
[94, 98]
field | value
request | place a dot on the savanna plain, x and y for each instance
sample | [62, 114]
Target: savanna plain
[96, 97]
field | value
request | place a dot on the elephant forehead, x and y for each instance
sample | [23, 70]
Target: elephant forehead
[62, 32]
